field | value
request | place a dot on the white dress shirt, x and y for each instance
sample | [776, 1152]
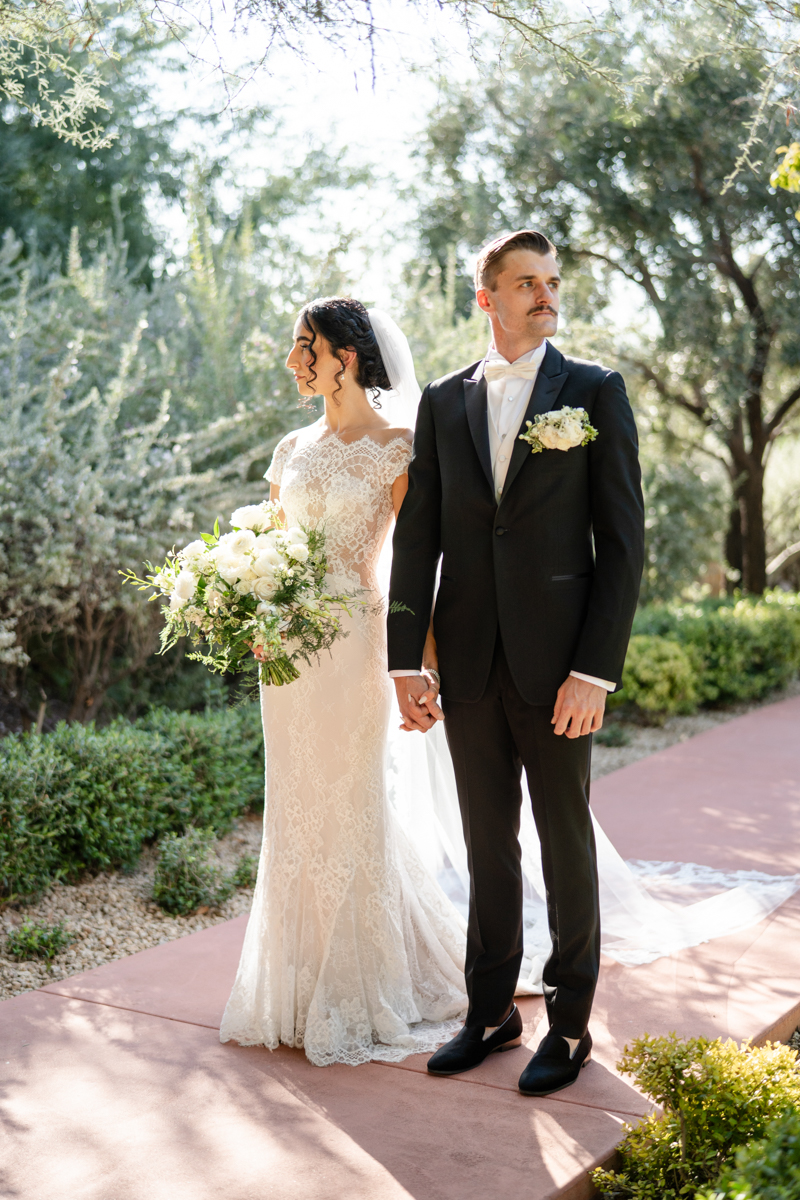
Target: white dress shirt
[507, 402]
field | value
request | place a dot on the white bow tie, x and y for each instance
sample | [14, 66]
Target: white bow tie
[499, 370]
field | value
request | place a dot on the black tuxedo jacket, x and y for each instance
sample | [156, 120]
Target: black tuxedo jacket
[556, 565]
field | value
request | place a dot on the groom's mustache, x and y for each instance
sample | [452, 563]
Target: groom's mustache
[541, 309]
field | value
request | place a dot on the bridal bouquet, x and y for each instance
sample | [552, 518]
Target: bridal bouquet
[259, 587]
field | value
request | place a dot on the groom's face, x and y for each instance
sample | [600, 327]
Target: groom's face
[524, 300]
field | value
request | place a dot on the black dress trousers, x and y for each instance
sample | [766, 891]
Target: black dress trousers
[490, 741]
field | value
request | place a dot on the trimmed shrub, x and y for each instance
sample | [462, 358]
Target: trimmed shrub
[83, 798]
[768, 1169]
[716, 1097]
[742, 648]
[659, 677]
[188, 873]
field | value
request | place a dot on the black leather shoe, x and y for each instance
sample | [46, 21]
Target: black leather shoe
[468, 1048]
[551, 1067]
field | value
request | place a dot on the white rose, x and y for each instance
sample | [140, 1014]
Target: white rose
[265, 587]
[548, 437]
[176, 602]
[267, 561]
[296, 534]
[297, 551]
[213, 599]
[193, 552]
[243, 586]
[240, 541]
[232, 568]
[262, 541]
[185, 585]
[250, 516]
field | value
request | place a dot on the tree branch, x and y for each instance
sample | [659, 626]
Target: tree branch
[781, 412]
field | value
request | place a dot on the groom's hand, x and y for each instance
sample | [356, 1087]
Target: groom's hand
[579, 707]
[416, 697]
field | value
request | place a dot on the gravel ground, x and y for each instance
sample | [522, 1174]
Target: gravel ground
[111, 916]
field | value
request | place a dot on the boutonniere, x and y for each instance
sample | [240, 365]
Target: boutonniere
[560, 429]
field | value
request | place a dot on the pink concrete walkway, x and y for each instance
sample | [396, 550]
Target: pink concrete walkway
[116, 1087]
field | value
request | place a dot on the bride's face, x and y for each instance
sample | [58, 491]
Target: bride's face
[316, 369]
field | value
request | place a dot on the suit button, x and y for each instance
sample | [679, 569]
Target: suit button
[500, 531]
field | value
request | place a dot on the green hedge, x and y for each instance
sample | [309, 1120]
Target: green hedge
[715, 1096]
[83, 798]
[768, 1169]
[738, 649]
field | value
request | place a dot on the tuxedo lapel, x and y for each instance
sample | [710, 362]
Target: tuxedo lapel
[475, 400]
[549, 382]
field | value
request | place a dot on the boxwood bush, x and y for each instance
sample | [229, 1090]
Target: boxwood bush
[768, 1169]
[738, 648]
[715, 1096]
[83, 798]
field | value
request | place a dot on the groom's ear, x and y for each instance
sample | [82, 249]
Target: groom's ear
[482, 297]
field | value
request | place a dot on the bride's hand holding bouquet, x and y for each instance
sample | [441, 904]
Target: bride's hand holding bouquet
[258, 589]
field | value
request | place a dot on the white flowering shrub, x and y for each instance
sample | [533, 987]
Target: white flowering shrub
[83, 488]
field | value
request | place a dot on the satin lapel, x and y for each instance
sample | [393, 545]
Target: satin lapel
[543, 399]
[478, 417]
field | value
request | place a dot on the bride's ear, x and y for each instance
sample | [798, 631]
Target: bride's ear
[347, 357]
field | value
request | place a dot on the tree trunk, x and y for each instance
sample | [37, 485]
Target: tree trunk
[754, 541]
[733, 546]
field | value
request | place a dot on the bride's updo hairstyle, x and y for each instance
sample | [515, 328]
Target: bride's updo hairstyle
[345, 325]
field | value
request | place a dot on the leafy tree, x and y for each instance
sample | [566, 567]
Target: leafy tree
[639, 194]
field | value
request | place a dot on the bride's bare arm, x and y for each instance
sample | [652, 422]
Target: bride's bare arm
[275, 496]
[399, 489]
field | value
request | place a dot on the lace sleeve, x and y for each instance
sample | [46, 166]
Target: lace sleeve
[280, 457]
[397, 456]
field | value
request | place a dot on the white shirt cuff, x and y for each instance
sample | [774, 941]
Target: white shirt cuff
[593, 679]
[404, 674]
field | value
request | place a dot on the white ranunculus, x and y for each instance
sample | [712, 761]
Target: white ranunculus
[298, 551]
[572, 431]
[296, 534]
[176, 602]
[185, 585]
[262, 541]
[250, 516]
[240, 541]
[267, 561]
[265, 587]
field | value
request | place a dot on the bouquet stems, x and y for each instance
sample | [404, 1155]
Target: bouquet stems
[278, 671]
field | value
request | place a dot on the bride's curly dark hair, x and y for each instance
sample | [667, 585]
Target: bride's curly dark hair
[345, 325]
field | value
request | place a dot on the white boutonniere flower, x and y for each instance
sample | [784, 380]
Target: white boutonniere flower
[561, 429]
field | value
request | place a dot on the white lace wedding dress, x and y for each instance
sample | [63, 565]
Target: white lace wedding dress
[352, 950]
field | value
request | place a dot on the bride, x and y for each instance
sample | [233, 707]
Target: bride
[356, 940]
[352, 950]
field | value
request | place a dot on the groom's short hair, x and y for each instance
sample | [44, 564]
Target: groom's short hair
[490, 259]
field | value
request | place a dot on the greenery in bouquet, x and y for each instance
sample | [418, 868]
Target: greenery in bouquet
[260, 587]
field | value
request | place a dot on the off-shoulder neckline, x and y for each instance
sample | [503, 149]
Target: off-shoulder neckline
[334, 437]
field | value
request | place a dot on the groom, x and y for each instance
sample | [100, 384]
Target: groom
[541, 557]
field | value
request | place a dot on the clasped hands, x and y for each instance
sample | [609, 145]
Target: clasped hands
[578, 709]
